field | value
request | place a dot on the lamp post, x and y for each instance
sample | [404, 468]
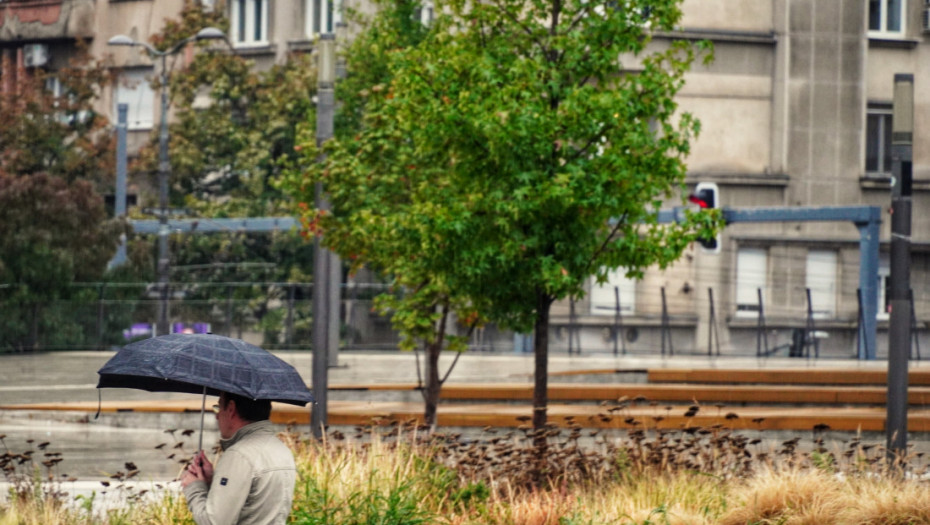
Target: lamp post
[208, 33]
[326, 265]
[899, 327]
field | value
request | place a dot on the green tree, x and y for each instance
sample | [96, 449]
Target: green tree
[56, 156]
[233, 128]
[233, 132]
[395, 25]
[49, 124]
[425, 313]
[520, 148]
[52, 234]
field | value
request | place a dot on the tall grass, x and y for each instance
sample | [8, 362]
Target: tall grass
[402, 476]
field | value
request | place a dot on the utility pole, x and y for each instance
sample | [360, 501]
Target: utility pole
[122, 112]
[325, 264]
[899, 332]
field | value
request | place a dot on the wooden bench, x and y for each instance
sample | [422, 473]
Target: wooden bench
[803, 376]
[678, 393]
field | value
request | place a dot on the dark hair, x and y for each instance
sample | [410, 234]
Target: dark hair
[250, 409]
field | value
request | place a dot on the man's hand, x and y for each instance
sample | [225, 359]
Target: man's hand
[200, 469]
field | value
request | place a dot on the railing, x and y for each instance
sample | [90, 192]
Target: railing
[278, 315]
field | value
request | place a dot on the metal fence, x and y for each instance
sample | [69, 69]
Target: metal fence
[100, 316]
[279, 316]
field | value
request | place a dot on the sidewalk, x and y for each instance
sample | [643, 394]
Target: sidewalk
[72, 376]
[372, 387]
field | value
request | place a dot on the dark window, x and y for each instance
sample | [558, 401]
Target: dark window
[878, 141]
[885, 16]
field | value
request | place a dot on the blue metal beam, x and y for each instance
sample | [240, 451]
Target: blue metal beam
[252, 224]
[855, 214]
[867, 220]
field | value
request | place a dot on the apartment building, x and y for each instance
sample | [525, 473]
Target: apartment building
[795, 111]
[43, 33]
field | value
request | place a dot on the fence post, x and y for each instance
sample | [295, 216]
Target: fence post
[100, 294]
[666, 329]
[229, 312]
[761, 334]
[810, 339]
[289, 324]
[712, 334]
[618, 327]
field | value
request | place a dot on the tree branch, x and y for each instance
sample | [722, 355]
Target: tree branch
[526, 29]
[592, 141]
[471, 330]
[603, 247]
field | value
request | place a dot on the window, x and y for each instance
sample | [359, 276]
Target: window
[65, 114]
[249, 22]
[886, 18]
[133, 89]
[604, 296]
[821, 280]
[321, 16]
[751, 271]
[425, 13]
[878, 140]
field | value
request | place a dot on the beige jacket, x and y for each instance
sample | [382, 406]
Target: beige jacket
[253, 481]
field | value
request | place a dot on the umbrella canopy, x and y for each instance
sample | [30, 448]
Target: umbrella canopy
[196, 363]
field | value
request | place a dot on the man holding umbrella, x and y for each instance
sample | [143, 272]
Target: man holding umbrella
[253, 481]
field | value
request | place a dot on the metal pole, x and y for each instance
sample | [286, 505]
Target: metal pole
[899, 332]
[163, 172]
[289, 322]
[869, 233]
[571, 325]
[325, 339]
[122, 112]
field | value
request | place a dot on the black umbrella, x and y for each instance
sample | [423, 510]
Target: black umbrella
[204, 364]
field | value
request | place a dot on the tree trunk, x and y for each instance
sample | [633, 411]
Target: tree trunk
[433, 386]
[541, 372]
[433, 383]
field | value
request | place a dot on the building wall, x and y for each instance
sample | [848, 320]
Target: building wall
[784, 116]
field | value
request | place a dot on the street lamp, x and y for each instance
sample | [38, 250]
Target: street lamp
[207, 33]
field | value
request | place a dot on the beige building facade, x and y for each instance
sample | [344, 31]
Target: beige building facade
[795, 111]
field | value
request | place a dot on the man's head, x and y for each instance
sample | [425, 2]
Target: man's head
[235, 412]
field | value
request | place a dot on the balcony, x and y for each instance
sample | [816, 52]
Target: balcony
[37, 20]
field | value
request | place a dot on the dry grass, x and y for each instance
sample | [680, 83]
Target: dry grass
[404, 476]
[804, 496]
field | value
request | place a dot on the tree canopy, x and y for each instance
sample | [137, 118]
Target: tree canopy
[49, 124]
[233, 132]
[56, 158]
[518, 149]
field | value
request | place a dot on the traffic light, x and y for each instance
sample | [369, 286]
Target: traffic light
[707, 196]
